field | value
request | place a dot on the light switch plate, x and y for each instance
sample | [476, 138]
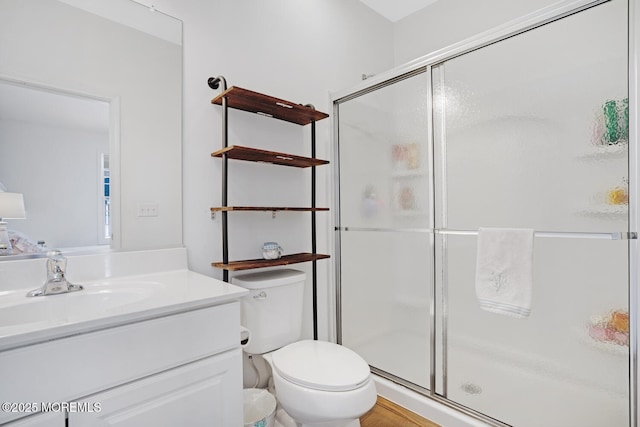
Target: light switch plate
[147, 209]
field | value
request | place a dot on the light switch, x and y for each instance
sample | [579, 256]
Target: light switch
[147, 209]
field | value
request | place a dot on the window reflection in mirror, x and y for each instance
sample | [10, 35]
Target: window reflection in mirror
[55, 151]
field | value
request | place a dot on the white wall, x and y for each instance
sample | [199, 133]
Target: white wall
[298, 50]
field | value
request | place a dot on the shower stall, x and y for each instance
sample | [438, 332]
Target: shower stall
[532, 125]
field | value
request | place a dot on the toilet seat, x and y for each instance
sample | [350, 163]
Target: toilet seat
[321, 365]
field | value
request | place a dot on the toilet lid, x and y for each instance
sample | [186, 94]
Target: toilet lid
[321, 365]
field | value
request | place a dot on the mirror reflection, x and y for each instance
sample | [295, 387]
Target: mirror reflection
[55, 152]
[91, 124]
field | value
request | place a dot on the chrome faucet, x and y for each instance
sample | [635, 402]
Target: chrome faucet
[56, 282]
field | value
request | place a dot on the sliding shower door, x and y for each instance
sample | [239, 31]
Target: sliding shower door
[385, 223]
[532, 132]
[529, 130]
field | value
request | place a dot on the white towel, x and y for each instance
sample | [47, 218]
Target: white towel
[504, 270]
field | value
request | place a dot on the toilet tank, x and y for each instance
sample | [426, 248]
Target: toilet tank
[273, 309]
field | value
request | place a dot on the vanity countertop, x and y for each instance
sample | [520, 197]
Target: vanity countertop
[105, 303]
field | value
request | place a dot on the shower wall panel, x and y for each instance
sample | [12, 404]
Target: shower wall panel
[532, 132]
[531, 128]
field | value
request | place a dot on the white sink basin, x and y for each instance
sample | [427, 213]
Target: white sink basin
[62, 308]
[104, 303]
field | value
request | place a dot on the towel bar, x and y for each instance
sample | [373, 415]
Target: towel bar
[622, 235]
[619, 235]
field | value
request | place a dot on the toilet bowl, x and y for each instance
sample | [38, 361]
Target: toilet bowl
[323, 384]
[317, 383]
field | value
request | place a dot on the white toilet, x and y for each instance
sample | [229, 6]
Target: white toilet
[316, 383]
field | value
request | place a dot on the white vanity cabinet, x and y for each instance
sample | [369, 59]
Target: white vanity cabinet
[197, 394]
[180, 368]
[51, 419]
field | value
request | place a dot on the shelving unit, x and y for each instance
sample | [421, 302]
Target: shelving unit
[600, 152]
[269, 106]
[265, 105]
[614, 152]
[250, 264]
[237, 152]
[265, 209]
[604, 211]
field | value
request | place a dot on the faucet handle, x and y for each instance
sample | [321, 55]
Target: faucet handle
[56, 264]
[56, 282]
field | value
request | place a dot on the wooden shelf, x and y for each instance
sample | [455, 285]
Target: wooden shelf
[260, 263]
[265, 209]
[254, 102]
[237, 152]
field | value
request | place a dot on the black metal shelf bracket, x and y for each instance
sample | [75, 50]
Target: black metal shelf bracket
[214, 83]
[313, 229]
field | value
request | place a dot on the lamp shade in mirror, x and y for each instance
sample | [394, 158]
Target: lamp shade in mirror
[12, 206]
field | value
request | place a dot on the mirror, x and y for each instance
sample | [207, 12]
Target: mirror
[90, 122]
[50, 137]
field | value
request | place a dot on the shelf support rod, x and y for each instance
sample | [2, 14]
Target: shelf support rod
[313, 230]
[214, 83]
[225, 176]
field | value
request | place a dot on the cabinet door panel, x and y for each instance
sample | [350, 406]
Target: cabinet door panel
[51, 419]
[204, 393]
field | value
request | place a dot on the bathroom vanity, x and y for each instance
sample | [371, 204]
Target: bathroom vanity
[148, 343]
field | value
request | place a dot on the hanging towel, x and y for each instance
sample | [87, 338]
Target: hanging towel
[504, 270]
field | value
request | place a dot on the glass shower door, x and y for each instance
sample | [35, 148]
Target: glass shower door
[385, 223]
[532, 132]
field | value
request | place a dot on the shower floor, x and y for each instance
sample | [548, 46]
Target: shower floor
[506, 390]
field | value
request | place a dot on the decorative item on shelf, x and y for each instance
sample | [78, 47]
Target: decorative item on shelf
[611, 126]
[371, 203]
[406, 156]
[399, 154]
[406, 198]
[612, 328]
[619, 195]
[413, 156]
[271, 250]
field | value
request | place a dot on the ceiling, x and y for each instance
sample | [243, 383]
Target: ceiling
[22, 103]
[397, 9]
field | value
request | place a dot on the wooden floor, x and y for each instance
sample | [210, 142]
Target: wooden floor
[388, 414]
